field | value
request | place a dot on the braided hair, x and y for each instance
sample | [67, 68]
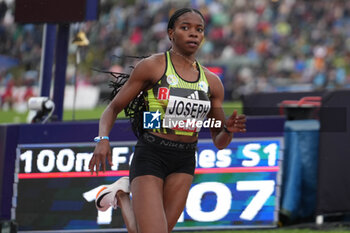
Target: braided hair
[180, 12]
[134, 110]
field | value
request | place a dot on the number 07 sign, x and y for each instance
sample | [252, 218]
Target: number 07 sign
[236, 187]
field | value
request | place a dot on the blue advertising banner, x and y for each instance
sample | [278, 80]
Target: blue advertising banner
[237, 187]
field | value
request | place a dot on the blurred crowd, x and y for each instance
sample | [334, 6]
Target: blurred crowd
[259, 45]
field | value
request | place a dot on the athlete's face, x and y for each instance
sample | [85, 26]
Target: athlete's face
[188, 32]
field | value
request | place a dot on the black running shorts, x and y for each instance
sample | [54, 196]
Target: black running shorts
[160, 157]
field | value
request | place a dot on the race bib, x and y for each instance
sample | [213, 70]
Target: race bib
[187, 109]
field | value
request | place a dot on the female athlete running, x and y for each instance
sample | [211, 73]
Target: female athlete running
[176, 88]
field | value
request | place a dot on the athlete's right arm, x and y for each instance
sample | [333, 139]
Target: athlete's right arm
[140, 78]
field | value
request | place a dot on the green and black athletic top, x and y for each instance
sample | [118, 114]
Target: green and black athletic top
[182, 104]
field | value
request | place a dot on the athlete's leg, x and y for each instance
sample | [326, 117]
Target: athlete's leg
[176, 188]
[125, 204]
[147, 201]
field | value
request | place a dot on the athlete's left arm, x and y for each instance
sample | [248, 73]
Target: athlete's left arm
[235, 123]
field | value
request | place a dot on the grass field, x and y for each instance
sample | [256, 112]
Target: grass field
[12, 116]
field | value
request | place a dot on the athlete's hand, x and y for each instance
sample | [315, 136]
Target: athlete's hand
[98, 159]
[236, 123]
